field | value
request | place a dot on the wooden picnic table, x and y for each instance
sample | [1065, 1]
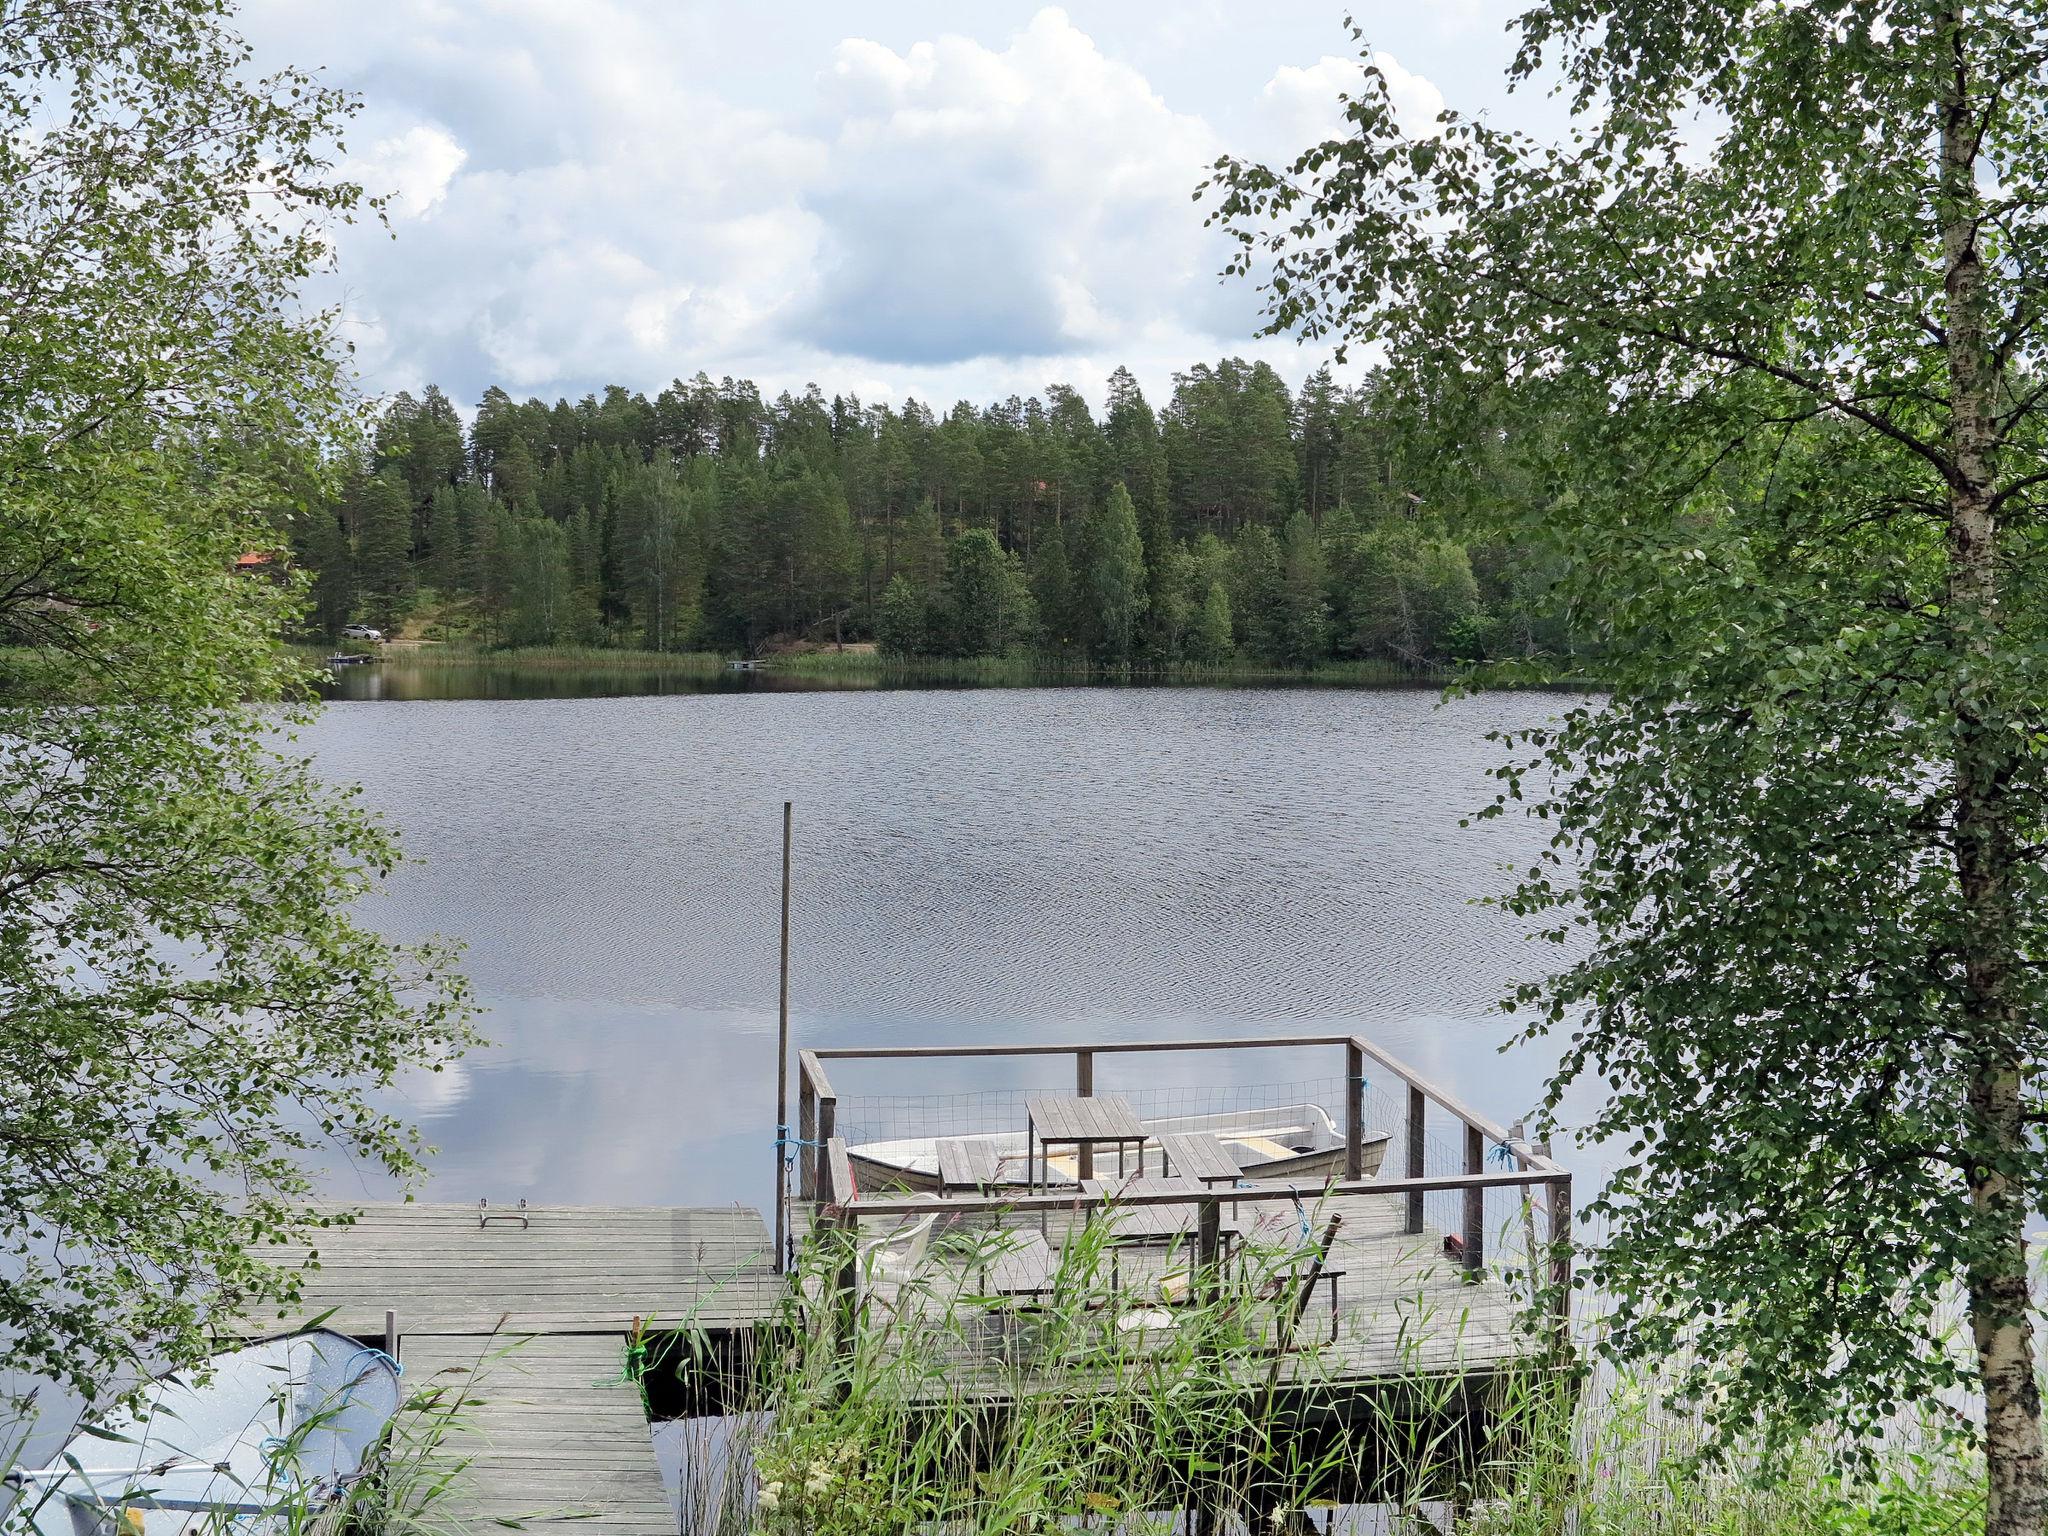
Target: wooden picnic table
[1150, 1223]
[1083, 1124]
[966, 1163]
[1199, 1157]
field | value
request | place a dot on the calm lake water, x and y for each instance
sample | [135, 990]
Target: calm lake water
[984, 865]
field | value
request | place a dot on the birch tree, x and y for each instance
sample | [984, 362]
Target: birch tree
[1783, 279]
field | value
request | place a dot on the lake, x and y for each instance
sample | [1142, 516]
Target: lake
[1029, 864]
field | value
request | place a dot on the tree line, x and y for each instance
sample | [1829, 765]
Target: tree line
[1243, 523]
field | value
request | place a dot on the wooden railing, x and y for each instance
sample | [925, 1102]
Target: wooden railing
[818, 1113]
[840, 1205]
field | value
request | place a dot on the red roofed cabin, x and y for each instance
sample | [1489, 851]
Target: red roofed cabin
[264, 563]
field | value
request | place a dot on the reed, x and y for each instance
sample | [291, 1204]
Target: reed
[1183, 1402]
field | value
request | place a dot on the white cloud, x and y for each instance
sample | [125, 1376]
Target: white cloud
[414, 167]
[586, 194]
[1307, 107]
[1030, 200]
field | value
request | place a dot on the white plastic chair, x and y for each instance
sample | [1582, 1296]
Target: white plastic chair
[895, 1256]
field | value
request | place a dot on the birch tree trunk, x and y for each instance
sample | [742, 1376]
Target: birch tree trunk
[1985, 854]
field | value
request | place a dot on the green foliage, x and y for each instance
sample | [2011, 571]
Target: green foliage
[710, 517]
[1211, 643]
[988, 606]
[901, 622]
[1112, 579]
[382, 516]
[1764, 326]
[188, 1006]
[1302, 620]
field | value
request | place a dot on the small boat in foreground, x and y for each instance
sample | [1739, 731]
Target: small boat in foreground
[1292, 1141]
[277, 1432]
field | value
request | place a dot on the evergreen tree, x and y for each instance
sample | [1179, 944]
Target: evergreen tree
[1052, 588]
[1302, 631]
[382, 514]
[660, 580]
[541, 604]
[988, 606]
[1113, 579]
[322, 546]
[900, 621]
[1210, 643]
[442, 565]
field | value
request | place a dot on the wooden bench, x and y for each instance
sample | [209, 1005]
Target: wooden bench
[1201, 1158]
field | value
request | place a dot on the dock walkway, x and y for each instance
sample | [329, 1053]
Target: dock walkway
[547, 1432]
[527, 1321]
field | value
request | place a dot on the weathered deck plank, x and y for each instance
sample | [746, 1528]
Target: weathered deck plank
[570, 1269]
[548, 1434]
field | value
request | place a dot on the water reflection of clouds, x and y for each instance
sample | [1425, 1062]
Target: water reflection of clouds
[1030, 864]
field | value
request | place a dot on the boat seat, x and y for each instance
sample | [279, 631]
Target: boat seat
[1191, 1155]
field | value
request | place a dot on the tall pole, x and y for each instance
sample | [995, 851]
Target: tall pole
[782, 1065]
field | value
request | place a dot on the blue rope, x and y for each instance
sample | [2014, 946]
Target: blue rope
[375, 1354]
[1307, 1232]
[1502, 1153]
[784, 1139]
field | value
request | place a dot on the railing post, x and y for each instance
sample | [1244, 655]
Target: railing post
[1354, 1110]
[1561, 1255]
[1084, 1087]
[828, 1124]
[1209, 1244]
[1418, 1112]
[807, 1133]
[1475, 1200]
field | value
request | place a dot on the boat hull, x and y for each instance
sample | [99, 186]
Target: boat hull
[1292, 1143]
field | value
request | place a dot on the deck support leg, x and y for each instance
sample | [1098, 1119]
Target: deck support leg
[1561, 1257]
[391, 1334]
[807, 1133]
[846, 1284]
[1354, 1110]
[1418, 1110]
[1209, 1246]
[1084, 1087]
[1475, 1201]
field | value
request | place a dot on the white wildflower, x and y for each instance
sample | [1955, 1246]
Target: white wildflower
[771, 1497]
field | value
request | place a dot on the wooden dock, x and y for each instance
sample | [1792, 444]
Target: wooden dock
[525, 1313]
[525, 1318]
[547, 1431]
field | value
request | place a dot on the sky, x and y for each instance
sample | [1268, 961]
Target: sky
[941, 200]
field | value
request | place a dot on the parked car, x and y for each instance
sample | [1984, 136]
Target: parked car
[360, 632]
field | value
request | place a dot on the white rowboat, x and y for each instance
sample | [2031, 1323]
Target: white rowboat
[1290, 1142]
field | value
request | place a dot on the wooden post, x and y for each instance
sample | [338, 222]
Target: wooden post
[1354, 1110]
[1561, 1254]
[1084, 1086]
[847, 1284]
[807, 1133]
[1209, 1244]
[1519, 1133]
[828, 1127]
[391, 1334]
[782, 1065]
[1418, 1112]
[1475, 1200]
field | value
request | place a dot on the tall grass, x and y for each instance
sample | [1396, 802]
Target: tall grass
[1149, 1396]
